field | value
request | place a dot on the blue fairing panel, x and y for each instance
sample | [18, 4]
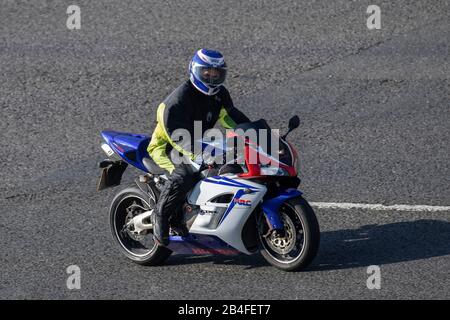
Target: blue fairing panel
[200, 244]
[270, 207]
[131, 147]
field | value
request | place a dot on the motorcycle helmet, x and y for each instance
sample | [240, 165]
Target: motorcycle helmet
[207, 71]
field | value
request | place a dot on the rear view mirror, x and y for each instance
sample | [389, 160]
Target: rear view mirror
[294, 123]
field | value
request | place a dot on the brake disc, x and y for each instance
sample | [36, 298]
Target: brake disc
[283, 245]
[129, 226]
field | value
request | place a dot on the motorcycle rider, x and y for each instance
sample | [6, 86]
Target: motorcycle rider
[201, 98]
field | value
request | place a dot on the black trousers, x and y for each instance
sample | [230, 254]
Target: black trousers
[168, 209]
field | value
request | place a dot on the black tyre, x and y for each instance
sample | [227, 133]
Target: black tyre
[140, 249]
[298, 247]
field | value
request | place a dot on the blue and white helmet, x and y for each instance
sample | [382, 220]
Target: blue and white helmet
[207, 71]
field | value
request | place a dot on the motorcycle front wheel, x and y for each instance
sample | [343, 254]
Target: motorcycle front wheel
[298, 246]
[139, 248]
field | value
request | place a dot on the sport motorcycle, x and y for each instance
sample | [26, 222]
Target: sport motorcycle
[235, 208]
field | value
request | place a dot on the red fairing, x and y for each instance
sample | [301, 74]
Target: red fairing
[294, 157]
[254, 169]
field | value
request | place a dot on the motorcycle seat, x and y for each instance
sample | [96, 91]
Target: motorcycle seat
[152, 167]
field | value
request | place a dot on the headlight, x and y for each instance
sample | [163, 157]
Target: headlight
[273, 171]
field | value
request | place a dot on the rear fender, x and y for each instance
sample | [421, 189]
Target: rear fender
[270, 207]
[111, 174]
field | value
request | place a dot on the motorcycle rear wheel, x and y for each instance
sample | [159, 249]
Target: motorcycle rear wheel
[142, 251]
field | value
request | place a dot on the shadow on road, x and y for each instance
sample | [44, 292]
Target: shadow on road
[249, 262]
[350, 248]
[383, 244]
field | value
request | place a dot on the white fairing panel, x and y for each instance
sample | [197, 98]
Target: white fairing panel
[225, 220]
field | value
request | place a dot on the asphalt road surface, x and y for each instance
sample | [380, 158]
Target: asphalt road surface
[375, 113]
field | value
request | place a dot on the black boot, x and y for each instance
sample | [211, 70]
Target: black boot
[177, 224]
[160, 228]
[179, 229]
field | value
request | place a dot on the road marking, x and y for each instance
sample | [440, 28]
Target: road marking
[379, 207]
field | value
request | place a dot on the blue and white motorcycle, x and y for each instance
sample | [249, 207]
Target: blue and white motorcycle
[235, 208]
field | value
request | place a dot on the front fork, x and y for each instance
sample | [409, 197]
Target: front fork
[271, 208]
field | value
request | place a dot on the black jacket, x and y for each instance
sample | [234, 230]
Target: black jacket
[180, 110]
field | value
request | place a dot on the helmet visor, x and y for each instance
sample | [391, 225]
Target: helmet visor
[210, 75]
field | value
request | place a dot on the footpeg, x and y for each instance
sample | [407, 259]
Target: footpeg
[181, 231]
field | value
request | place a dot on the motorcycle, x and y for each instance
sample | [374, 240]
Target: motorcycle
[235, 208]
